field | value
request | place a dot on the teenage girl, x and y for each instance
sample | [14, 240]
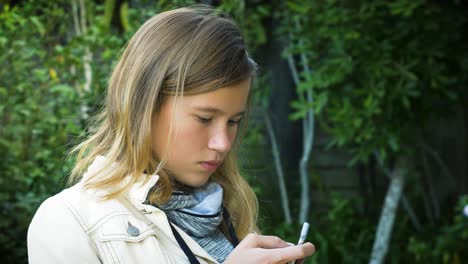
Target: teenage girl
[156, 180]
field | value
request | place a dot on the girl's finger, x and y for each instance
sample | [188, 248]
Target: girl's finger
[287, 254]
[266, 242]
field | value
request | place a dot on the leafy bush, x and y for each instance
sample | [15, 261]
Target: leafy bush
[380, 70]
[344, 234]
[38, 114]
[341, 234]
[42, 108]
[445, 244]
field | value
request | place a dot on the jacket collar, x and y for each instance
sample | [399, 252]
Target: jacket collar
[137, 192]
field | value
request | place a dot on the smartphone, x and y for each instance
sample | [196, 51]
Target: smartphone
[302, 236]
[304, 231]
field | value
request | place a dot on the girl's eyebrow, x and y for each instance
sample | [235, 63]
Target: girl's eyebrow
[215, 110]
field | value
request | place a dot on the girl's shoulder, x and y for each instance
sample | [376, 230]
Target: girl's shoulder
[79, 222]
[75, 204]
[86, 207]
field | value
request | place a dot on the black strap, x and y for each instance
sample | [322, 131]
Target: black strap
[230, 227]
[184, 246]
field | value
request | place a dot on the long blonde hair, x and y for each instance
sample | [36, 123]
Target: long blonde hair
[184, 51]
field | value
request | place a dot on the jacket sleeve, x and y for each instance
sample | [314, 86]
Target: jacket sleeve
[56, 236]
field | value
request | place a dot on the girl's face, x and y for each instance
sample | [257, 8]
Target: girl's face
[205, 127]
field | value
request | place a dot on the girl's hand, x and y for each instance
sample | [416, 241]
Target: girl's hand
[269, 250]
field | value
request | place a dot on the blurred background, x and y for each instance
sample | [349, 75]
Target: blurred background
[359, 123]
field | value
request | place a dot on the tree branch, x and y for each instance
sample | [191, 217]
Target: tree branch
[293, 69]
[431, 203]
[308, 133]
[409, 210]
[388, 215]
[80, 29]
[435, 155]
[76, 22]
[279, 168]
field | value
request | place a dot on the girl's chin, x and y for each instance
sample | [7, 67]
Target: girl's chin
[190, 183]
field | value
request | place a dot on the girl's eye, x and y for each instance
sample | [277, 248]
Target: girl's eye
[234, 122]
[204, 120]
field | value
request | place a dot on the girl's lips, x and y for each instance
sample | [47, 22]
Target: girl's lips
[209, 166]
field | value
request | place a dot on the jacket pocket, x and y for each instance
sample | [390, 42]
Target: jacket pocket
[125, 239]
[124, 227]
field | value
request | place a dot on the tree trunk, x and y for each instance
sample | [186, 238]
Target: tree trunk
[79, 21]
[406, 205]
[279, 169]
[388, 214]
[308, 139]
[308, 127]
[307, 142]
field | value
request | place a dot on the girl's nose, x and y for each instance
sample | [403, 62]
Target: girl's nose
[220, 141]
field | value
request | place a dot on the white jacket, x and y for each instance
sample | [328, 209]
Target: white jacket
[75, 226]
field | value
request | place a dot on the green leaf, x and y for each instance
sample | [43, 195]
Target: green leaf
[39, 26]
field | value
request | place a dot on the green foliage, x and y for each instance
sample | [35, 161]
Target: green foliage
[249, 17]
[38, 114]
[446, 244]
[43, 105]
[379, 73]
[379, 69]
[343, 235]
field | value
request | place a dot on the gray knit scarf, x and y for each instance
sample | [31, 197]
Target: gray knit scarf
[199, 214]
